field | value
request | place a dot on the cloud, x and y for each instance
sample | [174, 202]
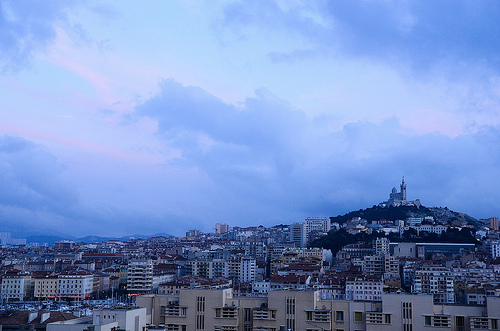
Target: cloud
[32, 183]
[265, 153]
[26, 28]
[37, 196]
[259, 162]
[424, 35]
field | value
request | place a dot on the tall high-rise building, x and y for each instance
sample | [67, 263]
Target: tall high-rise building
[221, 228]
[297, 234]
[140, 276]
[302, 233]
[315, 224]
[493, 223]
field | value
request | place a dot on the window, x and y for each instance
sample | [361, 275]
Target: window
[358, 316]
[428, 321]
[387, 319]
[339, 316]
[247, 316]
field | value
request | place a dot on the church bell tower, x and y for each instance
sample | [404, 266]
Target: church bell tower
[403, 189]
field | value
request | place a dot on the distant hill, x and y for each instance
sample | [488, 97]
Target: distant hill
[41, 239]
[97, 239]
[402, 212]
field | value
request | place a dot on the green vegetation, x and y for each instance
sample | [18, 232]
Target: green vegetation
[335, 240]
[389, 213]
[403, 212]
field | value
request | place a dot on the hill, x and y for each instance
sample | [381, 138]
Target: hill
[391, 213]
[88, 239]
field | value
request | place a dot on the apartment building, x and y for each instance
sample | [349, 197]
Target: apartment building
[239, 269]
[16, 286]
[305, 311]
[139, 276]
[364, 289]
[434, 280]
[381, 246]
[46, 287]
[75, 283]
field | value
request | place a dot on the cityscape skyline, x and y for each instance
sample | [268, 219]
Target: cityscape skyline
[123, 118]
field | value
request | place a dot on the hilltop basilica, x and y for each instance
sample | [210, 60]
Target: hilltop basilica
[399, 198]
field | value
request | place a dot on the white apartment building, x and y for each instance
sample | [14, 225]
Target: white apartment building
[140, 276]
[219, 269]
[297, 234]
[319, 224]
[365, 290]
[373, 265]
[239, 269]
[381, 246]
[16, 287]
[437, 281]
[318, 253]
[248, 270]
[495, 249]
[75, 284]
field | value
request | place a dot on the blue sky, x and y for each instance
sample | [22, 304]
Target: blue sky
[130, 117]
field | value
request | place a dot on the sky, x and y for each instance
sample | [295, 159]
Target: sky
[144, 117]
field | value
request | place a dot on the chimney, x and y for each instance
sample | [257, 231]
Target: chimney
[32, 316]
[45, 316]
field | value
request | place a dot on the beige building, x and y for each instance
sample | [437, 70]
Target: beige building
[46, 287]
[196, 310]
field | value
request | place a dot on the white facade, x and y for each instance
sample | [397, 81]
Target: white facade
[75, 284]
[243, 269]
[297, 234]
[248, 270]
[495, 249]
[364, 290]
[140, 276]
[437, 281]
[16, 288]
[321, 224]
[261, 288]
[381, 246]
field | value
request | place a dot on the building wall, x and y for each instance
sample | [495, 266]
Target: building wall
[16, 288]
[75, 285]
[46, 287]
[306, 311]
[140, 276]
[127, 319]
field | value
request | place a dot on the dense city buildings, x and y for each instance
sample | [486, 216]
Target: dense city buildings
[398, 276]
